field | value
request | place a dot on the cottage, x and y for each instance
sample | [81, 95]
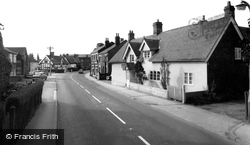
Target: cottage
[53, 62]
[201, 57]
[73, 61]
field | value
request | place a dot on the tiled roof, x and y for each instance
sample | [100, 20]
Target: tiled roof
[114, 46]
[56, 60]
[83, 55]
[9, 51]
[135, 46]
[189, 43]
[21, 50]
[117, 58]
[153, 44]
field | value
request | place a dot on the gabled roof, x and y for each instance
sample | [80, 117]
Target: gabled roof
[9, 51]
[56, 60]
[245, 32]
[135, 46]
[71, 59]
[118, 57]
[21, 50]
[83, 55]
[189, 43]
[153, 44]
[114, 46]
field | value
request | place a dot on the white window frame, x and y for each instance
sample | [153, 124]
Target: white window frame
[187, 82]
[131, 58]
[146, 54]
[237, 53]
[155, 75]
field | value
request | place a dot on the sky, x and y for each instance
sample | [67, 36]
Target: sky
[76, 26]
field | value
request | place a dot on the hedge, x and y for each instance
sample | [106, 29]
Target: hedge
[26, 101]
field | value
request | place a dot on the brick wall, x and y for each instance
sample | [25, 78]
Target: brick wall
[5, 69]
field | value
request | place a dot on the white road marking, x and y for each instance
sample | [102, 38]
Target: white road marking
[87, 91]
[116, 116]
[96, 99]
[142, 139]
[81, 86]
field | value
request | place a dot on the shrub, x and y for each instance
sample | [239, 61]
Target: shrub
[26, 101]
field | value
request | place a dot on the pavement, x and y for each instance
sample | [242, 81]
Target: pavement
[230, 128]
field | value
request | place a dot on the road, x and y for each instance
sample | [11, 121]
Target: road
[93, 115]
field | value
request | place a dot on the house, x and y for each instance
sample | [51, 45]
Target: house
[84, 61]
[196, 58]
[21, 61]
[53, 62]
[12, 56]
[73, 61]
[33, 63]
[106, 55]
[123, 61]
[95, 60]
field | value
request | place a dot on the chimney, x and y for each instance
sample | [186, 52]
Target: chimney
[229, 10]
[131, 35]
[117, 39]
[157, 26]
[37, 57]
[107, 42]
[51, 54]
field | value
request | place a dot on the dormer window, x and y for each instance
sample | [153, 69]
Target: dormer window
[146, 54]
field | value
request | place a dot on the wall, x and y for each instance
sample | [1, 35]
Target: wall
[229, 75]
[149, 66]
[199, 69]
[118, 75]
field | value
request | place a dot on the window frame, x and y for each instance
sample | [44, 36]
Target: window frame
[155, 75]
[237, 53]
[189, 75]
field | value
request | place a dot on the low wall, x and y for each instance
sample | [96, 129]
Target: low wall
[150, 90]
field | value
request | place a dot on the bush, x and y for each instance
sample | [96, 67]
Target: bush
[1, 113]
[26, 101]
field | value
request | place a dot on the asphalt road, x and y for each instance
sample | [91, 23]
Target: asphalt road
[93, 115]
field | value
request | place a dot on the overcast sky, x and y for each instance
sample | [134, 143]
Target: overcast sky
[76, 26]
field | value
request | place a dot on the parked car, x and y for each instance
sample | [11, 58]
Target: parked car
[39, 75]
[80, 71]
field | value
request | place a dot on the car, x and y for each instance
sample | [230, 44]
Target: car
[39, 75]
[80, 71]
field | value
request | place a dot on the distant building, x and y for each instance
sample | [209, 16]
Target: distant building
[84, 61]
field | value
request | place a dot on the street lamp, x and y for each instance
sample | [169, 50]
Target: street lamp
[246, 55]
[1, 27]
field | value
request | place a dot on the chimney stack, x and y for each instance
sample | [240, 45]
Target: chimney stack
[107, 42]
[117, 39]
[131, 35]
[229, 10]
[157, 27]
[51, 54]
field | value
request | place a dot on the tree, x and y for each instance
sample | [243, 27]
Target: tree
[164, 74]
[139, 70]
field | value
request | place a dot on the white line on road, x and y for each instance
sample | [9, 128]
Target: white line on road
[96, 99]
[116, 116]
[87, 91]
[142, 139]
[81, 86]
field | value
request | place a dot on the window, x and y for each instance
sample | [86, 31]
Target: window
[155, 75]
[188, 78]
[131, 57]
[146, 54]
[237, 53]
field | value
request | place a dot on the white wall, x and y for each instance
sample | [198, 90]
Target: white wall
[118, 75]
[199, 69]
[131, 52]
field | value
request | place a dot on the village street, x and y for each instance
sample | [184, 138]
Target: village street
[91, 114]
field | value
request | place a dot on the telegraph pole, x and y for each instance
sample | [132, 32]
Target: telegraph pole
[50, 48]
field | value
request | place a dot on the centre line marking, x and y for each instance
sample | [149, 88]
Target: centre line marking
[142, 139]
[87, 91]
[116, 116]
[96, 99]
